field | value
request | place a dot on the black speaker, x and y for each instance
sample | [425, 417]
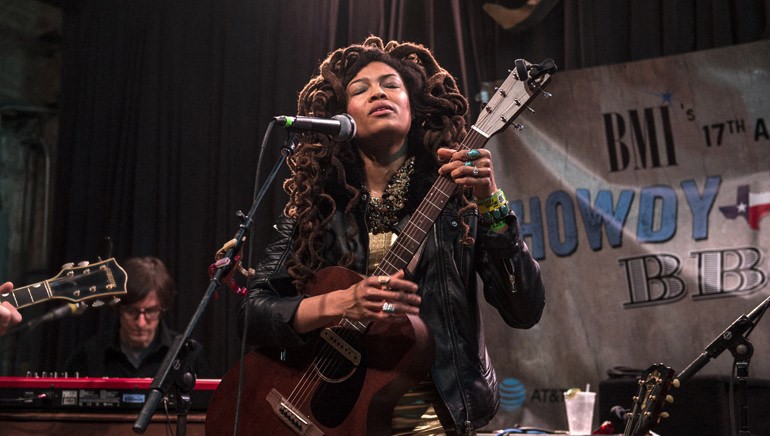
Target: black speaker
[700, 407]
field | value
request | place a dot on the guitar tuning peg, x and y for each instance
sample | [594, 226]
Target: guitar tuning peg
[517, 126]
[547, 94]
[664, 415]
[676, 383]
[669, 399]
[97, 303]
[68, 265]
[114, 301]
[84, 263]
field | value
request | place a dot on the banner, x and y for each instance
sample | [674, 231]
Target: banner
[643, 190]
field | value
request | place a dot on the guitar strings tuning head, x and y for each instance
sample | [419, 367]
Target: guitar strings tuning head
[669, 399]
[68, 265]
[664, 415]
[84, 263]
[97, 303]
[676, 383]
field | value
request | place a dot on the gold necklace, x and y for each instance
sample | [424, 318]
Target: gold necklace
[383, 212]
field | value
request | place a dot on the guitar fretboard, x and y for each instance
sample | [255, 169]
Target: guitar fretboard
[418, 226]
[27, 295]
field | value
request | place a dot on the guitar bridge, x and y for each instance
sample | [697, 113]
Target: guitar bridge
[289, 415]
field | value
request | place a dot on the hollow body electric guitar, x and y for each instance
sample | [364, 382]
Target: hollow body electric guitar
[349, 380]
[88, 283]
[649, 400]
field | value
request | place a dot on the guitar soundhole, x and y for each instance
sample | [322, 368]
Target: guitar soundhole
[341, 383]
[331, 363]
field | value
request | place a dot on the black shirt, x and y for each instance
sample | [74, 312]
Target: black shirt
[102, 356]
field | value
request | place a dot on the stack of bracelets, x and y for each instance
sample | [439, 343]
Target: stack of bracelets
[493, 210]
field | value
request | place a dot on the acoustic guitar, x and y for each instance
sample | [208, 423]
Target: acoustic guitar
[349, 380]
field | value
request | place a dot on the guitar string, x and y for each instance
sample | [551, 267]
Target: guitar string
[328, 364]
[309, 381]
[332, 363]
[327, 361]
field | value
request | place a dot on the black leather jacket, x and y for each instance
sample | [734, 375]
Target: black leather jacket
[446, 276]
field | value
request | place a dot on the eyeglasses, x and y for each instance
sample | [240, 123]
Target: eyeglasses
[150, 314]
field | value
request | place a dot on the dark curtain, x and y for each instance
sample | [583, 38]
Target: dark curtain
[165, 103]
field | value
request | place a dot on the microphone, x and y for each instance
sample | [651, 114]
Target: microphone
[340, 127]
[69, 309]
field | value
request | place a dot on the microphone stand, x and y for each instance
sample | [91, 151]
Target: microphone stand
[734, 338]
[173, 364]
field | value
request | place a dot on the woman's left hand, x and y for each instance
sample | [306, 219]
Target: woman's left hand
[469, 168]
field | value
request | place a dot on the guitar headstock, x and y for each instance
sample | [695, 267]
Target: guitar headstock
[89, 281]
[522, 85]
[652, 395]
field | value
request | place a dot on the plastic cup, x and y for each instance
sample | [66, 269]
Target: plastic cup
[580, 412]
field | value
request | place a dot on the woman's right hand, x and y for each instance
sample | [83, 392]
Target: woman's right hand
[381, 298]
[373, 298]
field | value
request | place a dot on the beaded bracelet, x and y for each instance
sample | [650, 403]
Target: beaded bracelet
[498, 226]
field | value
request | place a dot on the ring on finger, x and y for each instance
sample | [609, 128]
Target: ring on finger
[388, 307]
[384, 280]
[474, 154]
[475, 171]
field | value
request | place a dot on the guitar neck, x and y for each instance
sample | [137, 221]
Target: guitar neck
[416, 229]
[27, 295]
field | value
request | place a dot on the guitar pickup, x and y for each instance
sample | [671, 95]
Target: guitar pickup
[290, 416]
[341, 346]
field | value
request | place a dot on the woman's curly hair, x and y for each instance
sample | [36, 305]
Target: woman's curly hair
[328, 174]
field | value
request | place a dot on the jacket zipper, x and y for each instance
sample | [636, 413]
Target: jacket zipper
[450, 326]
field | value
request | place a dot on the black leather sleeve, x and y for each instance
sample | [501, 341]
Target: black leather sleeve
[272, 302]
[512, 281]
